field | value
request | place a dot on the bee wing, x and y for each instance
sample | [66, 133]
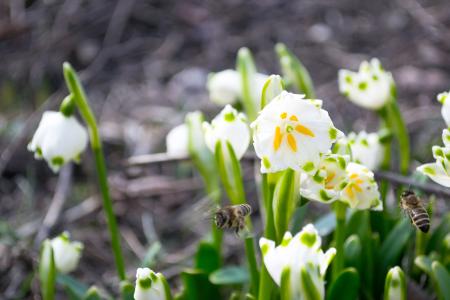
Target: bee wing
[202, 210]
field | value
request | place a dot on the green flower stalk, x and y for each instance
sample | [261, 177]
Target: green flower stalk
[339, 238]
[80, 100]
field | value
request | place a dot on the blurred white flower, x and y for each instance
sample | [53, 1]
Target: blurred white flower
[370, 87]
[329, 180]
[66, 253]
[395, 285]
[58, 139]
[150, 285]
[292, 132]
[361, 191]
[229, 125]
[443, 98]
[366, 149]
[272, 88]
[302, 257]
[177, 141]
[224, 87]
[439, 171]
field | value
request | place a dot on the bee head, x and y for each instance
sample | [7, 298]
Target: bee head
[407, 193]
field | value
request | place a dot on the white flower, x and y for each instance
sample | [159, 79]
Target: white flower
[224, 87]
[177, 141]
[272, 88]
[370, 87]
[361, 191]
[439, 171]
[58, 139]
[229, 125]
[327, 183]
[443, 98]
[366, 149]
[292, 132]
[66, 253]
[150, 285]
[302, 257]
[395, 285]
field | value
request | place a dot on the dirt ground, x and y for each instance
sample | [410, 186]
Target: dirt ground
[144, 65]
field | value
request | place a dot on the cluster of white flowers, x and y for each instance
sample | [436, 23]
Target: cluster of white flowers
[58, 139]
[150, 285]
[303, 258]
[370, 87]
[66, 253]
[225, 87]
[439, 171]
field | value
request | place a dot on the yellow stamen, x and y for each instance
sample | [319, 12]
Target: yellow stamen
[329, 178]
[277, 139]
[292, 142]
[349, 191]
[357, 188]
[293, 118]
[304, 130]
[353, 176]
[359, 181]
[283, 115]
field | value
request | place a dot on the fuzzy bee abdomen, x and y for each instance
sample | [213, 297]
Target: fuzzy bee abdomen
[420, 218]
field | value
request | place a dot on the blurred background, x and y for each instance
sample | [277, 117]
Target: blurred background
[145, 65]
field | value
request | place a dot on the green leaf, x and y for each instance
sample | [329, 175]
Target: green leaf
[395, 285]
[229, 276]
[247, 69]
[345, 287]
[201, 156]
[126, 290]
[424, 263]
[309, 288]
[73, 286]
[442, 278]
[438, 235]
[47, 271]
[394, 244]
[353, 252]
[197, 285]
[151, 254]
[207, 258]
[294, 72]
[285, 286]
[284, 201]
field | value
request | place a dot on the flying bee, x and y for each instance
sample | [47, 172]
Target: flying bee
[413, 206]
[232, 217]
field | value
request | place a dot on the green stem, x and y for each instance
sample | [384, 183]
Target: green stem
[421, 240]
[269, 229]
[80, 99]
[339, 237]
[252, 264]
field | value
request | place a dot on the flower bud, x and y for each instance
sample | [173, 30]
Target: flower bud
[272, 88]
[66, 253]
[224, 87]
[395, 285]
[229, 125]
[151, 286]
[58, 139]
[177, 141]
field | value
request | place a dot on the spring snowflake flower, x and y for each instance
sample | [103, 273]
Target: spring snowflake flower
[229, 125]
[370, 87]
[361, 191]
[439, 171]
[150, 285]
[58, 139]
[66, 253]
[443, 98]
[329, 180]
[177, 141]
[292, 132]
[366, 149]
[225, 87]
[301, 257]
[395, 285]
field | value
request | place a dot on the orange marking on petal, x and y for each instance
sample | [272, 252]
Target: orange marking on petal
[359, 181]
[349, 191]
[277, 139]
[283, 115]
[292, 142]
[357, 187]
[353, 176]
[304, 130]
[330, 177]
[293, 118]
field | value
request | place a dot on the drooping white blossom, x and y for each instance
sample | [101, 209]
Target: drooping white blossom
[366, 149]
[177, 141]
[361, 191]
[292, 132]
[150, 285]
[443, 98]
[302, 257]
[370, 87]
[66, 253]
[228, 126]
[439, 171]
[58, 139]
